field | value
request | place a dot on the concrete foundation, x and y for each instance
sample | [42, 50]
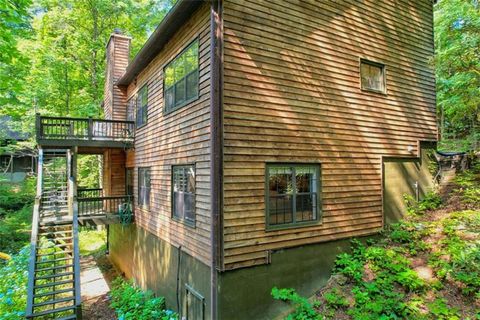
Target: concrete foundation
[156, 265]
[401, 177]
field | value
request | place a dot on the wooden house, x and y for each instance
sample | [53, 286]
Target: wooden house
[267, 134]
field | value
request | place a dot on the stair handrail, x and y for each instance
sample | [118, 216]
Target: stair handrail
[34, 237]
[73, 208]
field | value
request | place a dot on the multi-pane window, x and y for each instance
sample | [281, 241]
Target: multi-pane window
[292, 195]
[372, 76]
[142, 106]
[183, 193]
[181, 78]
[131, 105]
[144, 187]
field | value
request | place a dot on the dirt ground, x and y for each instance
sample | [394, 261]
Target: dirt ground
[97, 274]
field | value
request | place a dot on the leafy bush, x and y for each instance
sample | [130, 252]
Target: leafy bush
[14, 196]
[336, 299]
[430, 201]
[13, 286]
[304, 310]
[131, 303]
[15, 230]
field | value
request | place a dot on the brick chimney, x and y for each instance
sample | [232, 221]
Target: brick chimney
[115, 100]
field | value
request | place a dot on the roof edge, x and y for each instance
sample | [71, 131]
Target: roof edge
[174, 19]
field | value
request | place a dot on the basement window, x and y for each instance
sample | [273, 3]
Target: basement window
[183, 193]
[181, 79]
[144, 188]
[195, 304]
[372, 76]
[142, 106]
[292, 195]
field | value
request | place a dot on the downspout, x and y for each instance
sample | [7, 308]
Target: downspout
[216, 150]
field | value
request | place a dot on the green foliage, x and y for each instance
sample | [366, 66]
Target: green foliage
[131, 303]
[463, 264]
[304, 310]
[335, 299]
[430, 201]
[15, 230]
[442, 311]
[92, 242]
[13, 286]
[457, 62]
[14, 196]
[469, 190]
[89, 171]
[15, 214]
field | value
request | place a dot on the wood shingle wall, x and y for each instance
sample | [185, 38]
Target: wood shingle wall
[292, 94]
[179, 137]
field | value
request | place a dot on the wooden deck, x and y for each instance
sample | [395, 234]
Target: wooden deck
[84, 132]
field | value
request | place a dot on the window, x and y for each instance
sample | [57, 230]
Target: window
[144, 187]
[131, 109]
[372, 76]
[181, 79]
[183, 193]
[292, 194]
[142, 106]
[129, 182]
[195, 304]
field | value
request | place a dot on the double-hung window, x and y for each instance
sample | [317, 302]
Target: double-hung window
[142, 106]
[292, 194]
[144, 187]
[181, 79]
[183, 193]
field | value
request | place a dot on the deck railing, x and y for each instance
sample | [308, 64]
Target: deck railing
[84, 129]
[94, 206]
[89, 192]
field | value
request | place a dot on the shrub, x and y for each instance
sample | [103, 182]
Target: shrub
[13, 286]
[15, 230]
[131, 303]
[304, 310]
[15, 196]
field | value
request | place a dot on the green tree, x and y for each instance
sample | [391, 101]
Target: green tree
[14, 26]
[457, 41]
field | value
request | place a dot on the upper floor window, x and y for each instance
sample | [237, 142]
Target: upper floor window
[372, 76]
[131, 105]
[181, 78]
[292, 194]
[183, 193]
[144, 187]
[142, 106]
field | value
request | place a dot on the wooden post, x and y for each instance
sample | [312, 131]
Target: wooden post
[90, 128]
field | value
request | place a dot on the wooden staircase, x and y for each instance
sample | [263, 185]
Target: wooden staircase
[54, 274]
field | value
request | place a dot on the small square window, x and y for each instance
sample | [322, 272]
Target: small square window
[372, 76]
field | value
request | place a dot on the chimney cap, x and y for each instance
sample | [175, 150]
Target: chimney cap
[117, 31]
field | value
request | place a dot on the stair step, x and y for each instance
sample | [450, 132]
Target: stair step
[58, 310]
[54, 301]
[54, 284]
[54, 260]
[55, 232]
[54, 253]
[55, 268]
[60, 245]
[53, 276]
[51, 293]
[74, 317]
[61, 238]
